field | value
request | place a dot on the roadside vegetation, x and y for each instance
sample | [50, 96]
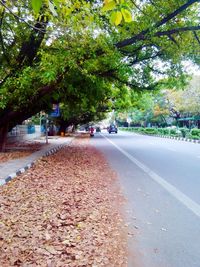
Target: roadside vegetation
[165, 108]
[173, 132]
[90, 57]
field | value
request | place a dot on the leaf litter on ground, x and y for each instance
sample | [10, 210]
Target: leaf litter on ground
[17, 150]
[65, 211]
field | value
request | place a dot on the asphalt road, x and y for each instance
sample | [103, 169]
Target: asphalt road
[160, 179]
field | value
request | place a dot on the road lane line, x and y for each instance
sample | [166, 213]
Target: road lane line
[185, 200]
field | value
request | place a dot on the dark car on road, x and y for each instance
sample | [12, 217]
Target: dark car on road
[112, 129]
[98, 129]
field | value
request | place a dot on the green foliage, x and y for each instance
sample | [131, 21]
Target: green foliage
[120, 11]
[178, 132]
[36, 5]
[195, 132]
[194, 137]
[150, 131]
[166, 131]
[184, 131]
[67, 52]
[186, 101]
[35, 119]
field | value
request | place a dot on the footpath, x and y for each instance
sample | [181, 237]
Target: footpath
[14, 167]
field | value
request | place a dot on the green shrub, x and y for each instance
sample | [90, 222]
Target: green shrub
[135, 129]
[160, 131]
[195, 137]
[195, 132]
[165, 131]
[141, 130]
[172, 132]
[184, 131]
[150, 131]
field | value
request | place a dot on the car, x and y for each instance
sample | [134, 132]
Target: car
[112, 129]
[98, 129]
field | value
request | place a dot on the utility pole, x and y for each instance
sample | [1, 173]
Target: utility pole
[46, 124]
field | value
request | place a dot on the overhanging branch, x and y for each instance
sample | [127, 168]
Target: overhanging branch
[175, 13]
[142, 34]
[137, 60]
[177, 30]
[19, 18]
[196, 36]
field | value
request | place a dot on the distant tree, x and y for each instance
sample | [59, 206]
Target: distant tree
[185, 103]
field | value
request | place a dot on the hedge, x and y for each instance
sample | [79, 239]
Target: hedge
[179, 132]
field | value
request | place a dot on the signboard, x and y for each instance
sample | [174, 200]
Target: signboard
[55, 111]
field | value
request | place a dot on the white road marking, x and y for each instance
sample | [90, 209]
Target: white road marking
[185, 200]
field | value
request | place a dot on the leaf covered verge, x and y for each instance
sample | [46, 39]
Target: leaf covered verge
[16, 150]
[63, 212]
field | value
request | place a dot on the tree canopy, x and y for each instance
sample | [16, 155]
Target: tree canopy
[185, 102]
[89, 55]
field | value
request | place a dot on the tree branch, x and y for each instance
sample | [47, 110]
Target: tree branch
[30, 48]
[175, 13]
[196, 36]
[142, 34]
[173, 40]
[137, 6]
[19, 18]
[177, 30]
[137, 60]
[1, 39]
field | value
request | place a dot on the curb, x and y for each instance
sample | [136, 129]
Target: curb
[180, 139]
[170, 137]
[28, 166]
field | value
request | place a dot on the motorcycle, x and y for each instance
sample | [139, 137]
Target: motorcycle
[91, 132]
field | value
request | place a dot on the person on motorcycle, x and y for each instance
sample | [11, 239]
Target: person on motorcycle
[91, 131]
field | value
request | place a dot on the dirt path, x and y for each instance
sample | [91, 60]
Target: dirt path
[65, 211]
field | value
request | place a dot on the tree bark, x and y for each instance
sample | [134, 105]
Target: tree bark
[3, 137]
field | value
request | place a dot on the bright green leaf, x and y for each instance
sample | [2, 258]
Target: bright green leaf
[56, 3]
[109, 6]
[116, 17]
[36, 5]
[126, 15]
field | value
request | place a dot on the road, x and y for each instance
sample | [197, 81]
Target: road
[160, 179]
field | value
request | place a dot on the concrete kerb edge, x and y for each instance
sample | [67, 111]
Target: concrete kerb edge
[180, 138]
[28, 166]
[176, 138]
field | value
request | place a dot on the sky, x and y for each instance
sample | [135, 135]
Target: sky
[191, 68]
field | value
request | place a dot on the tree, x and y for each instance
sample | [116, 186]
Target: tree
[185, 102]
[46, 46]
[158, 107]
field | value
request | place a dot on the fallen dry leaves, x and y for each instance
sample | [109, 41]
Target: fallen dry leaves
[18, 150]
[13, 155]
[65, 211]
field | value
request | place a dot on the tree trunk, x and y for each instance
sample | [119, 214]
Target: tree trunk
[63, 127]
[3, 137]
